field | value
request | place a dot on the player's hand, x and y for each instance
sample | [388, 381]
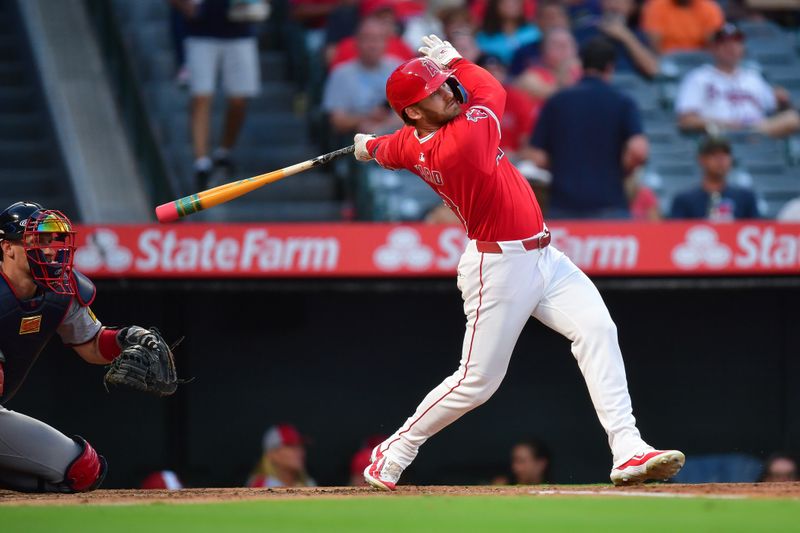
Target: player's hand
[360, 142]
[441, 52]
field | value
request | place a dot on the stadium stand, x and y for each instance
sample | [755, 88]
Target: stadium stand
[769, 166]
[30, 162]
[273, 135]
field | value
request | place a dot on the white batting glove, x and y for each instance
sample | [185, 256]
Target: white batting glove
[441, 52]
[360, 141]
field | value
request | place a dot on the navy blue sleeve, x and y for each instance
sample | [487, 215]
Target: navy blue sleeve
[632, 120]
[543, 129]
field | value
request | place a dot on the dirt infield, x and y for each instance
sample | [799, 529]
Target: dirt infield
[716, 490]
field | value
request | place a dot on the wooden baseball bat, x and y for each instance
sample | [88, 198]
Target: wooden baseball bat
[172, 211]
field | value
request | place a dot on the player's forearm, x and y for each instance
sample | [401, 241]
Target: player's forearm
[483, 88]
[691, 122]
[101, 349]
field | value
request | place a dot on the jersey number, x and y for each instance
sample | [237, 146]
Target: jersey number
[431, 176]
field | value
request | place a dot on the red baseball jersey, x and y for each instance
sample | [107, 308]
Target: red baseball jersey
[463, 163]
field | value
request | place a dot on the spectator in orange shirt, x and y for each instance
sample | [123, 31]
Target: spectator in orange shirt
[675, 25]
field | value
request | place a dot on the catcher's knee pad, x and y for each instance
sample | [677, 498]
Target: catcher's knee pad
[87, 471]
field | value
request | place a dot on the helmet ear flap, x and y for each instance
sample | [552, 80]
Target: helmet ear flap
[459, 93]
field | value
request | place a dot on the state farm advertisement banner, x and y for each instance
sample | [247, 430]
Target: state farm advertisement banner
[386, 250]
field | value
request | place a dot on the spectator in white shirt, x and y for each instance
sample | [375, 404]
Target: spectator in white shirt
[729, 97]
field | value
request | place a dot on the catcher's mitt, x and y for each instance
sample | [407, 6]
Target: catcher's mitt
[146, 362]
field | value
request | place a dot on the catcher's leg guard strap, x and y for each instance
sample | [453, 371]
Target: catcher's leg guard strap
[87, 471]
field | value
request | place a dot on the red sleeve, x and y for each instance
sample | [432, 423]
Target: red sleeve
[387, 151]
[483, 89]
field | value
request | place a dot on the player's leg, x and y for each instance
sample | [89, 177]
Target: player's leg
[241, 75]
[202, 58]
[35, 457]
[499, 292]
[572, 306]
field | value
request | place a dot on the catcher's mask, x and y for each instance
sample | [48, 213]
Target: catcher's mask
[48, 240]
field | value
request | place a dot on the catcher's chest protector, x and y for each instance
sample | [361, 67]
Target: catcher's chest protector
[26, 326]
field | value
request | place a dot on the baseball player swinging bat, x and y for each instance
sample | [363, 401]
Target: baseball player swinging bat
[172, 211]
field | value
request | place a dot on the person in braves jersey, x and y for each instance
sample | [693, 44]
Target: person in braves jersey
[41, 294]
[508, 271]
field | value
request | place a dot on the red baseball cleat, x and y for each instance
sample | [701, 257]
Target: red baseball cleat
[382, 473]
[653, 465]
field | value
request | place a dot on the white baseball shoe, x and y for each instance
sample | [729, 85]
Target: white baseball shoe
[653, 465]
[382, 473]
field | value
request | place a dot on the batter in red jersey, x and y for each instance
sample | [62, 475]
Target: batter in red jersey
[507, 273]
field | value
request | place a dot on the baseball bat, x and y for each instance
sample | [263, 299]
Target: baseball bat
[172, 211]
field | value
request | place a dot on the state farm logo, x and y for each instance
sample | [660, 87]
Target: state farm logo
[701, 248]
[102, 249]
[403, 248]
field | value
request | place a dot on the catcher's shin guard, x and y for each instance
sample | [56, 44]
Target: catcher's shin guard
[87, 471]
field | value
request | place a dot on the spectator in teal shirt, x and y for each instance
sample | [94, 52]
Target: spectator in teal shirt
[505, 29]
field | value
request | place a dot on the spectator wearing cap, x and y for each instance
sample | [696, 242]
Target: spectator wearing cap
[731, 97]
[161, 480]
[634, 54]
[675, 25]
[590, 138]
[714, 199]
[283, 461]
[355, 94]
[217, 44]
[358, 463]
[550, 15]
[505, 29]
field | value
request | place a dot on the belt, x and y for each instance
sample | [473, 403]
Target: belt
[534, 243]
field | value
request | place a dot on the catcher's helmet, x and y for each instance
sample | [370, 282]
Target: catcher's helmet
[417, 79]
[14, 219]
[48, 240]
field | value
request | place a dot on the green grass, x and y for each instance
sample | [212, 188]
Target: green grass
[407, 514]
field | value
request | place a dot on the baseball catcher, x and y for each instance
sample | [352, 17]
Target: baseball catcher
[41, 294]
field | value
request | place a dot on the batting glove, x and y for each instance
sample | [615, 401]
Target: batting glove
[441, 52]
[360, 141]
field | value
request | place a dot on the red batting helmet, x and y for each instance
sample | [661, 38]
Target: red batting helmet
[415, 80]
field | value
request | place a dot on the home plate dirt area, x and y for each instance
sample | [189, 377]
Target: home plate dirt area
[659, 490]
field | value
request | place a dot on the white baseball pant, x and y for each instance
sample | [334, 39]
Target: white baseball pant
[500, 292]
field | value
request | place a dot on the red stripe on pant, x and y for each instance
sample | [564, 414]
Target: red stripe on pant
[466, 365]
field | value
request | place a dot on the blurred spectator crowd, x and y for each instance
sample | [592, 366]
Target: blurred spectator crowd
[676, 91]
[282, 463]
[686, 110]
